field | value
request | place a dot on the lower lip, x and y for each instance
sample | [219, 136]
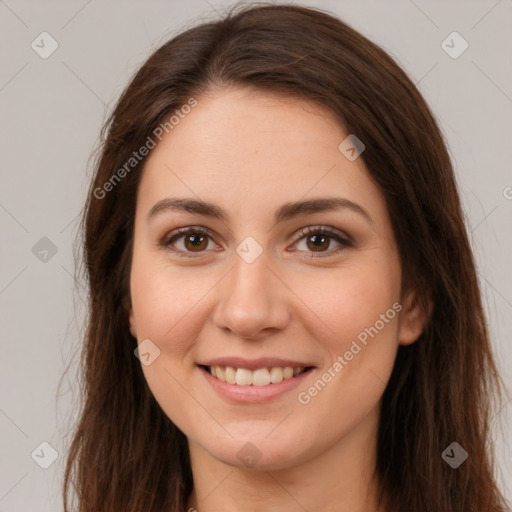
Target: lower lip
[253, 394]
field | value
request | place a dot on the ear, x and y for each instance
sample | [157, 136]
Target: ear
[414, 318]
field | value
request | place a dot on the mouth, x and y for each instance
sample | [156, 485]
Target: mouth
[264, 376]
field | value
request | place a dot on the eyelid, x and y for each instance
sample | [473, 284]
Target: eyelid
[180, 232]
[342, 238]
[344, 241]
[322, 229]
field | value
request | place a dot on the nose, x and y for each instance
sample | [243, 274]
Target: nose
[252, 300]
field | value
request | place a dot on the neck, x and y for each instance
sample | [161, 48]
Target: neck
[340, 479]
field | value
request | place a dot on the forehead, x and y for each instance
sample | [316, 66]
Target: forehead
[237, 125]
[238, 147]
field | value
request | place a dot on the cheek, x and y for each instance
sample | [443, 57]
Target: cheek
[164, 301]
[357, 314]
[348, 300]
[165, 304]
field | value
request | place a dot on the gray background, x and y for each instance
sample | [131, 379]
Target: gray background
[52, 111]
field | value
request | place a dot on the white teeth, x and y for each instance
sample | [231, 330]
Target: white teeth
[276, 375]
[220, 373]
[287, 372]
[230, 375]
[259, 377]
[243, 377]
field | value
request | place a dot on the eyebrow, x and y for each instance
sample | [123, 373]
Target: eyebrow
[285, 212]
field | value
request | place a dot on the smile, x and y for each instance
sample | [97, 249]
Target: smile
[257, 377]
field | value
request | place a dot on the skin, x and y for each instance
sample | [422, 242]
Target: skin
[249, 153]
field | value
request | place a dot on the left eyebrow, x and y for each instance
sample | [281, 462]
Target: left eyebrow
[285, 212]
[291, 210]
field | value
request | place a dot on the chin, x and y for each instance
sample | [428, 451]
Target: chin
[259, 453]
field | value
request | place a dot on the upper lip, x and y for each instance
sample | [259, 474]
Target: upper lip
[254, 364]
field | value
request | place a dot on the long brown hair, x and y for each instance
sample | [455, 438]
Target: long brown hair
[126, 454]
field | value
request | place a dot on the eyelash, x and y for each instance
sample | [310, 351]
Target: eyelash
[304, 232]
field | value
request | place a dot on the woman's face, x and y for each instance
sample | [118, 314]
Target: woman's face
[248, 289]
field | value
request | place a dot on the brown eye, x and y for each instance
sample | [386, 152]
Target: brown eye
[187, 241]
[195, 242]
[318, 240]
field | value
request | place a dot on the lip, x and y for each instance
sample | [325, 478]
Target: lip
[253, 394]
[254, 364]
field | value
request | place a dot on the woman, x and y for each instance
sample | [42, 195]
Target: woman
[283, 300]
